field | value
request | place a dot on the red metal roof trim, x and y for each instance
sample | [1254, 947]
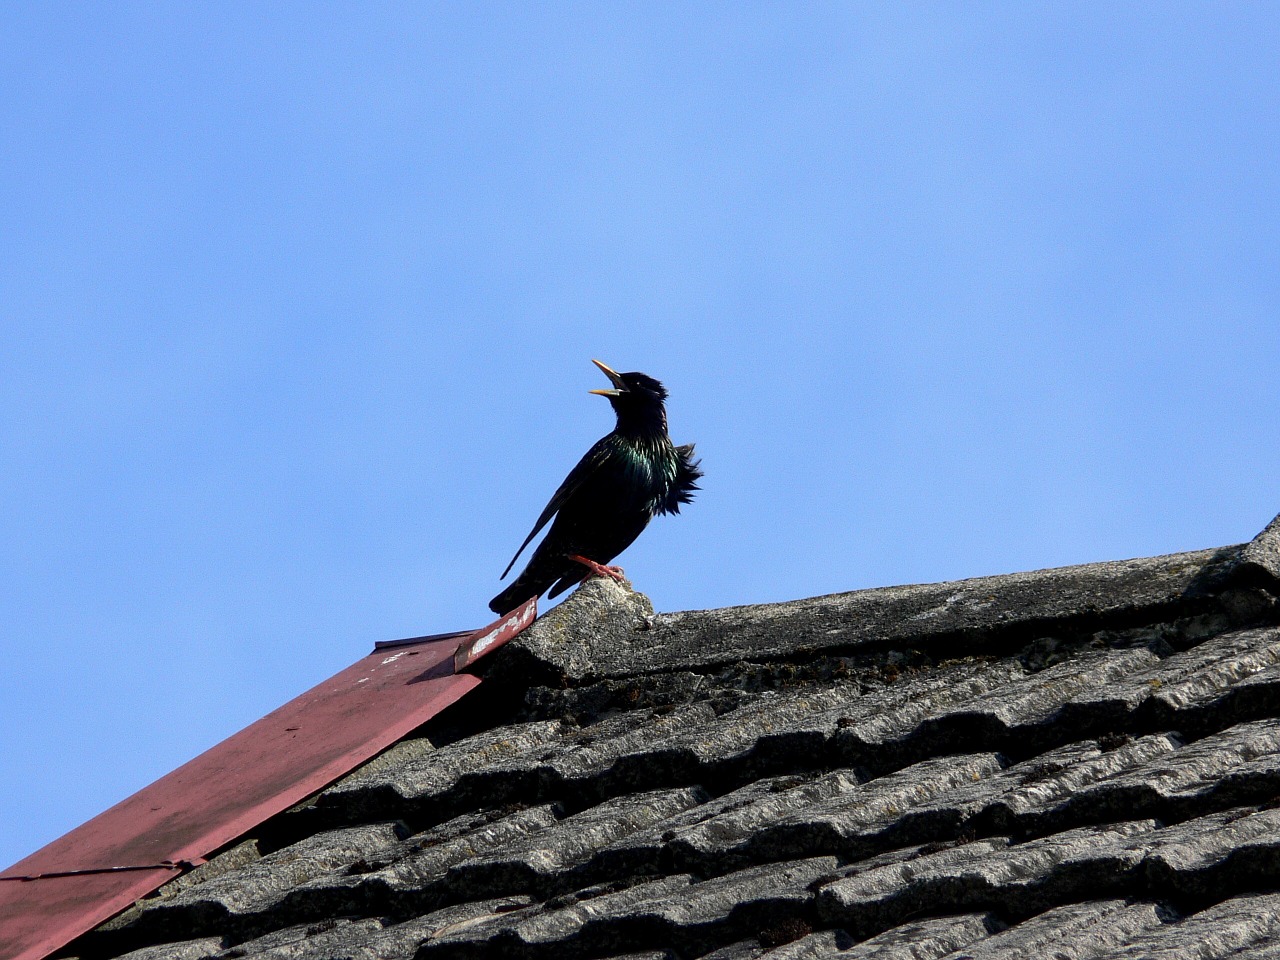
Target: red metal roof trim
[95, 871]
[484, 642]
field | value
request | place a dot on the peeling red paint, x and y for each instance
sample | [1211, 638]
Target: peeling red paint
[484, 642]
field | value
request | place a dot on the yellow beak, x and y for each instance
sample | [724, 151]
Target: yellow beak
[614, 377]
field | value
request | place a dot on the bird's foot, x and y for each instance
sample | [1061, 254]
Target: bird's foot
[596, 569]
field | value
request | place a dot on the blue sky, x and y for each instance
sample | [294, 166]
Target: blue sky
[299, 302]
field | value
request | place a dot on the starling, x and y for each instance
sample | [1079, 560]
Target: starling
[625, 479]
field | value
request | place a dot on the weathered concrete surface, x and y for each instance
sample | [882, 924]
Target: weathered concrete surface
[1241, 927]
[813, 946]
[674, 911]
[406, 879]
[1018, 878]
[316, 941]
[851, 822]
[1034, 701]
[741, 950]
[226, 862]
[390, 941]
[537, 862]
[1178, 690]
[1206, 857]
[1030, 797]
[261, 882]
[607, 630]
[602, 621]
[1243, 760]
[1262, 554]
[416, 774]
[893, 714]
[1078, 931]
[199, 949]
[926, 939]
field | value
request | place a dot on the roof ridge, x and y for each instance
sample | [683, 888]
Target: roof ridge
[606, 630]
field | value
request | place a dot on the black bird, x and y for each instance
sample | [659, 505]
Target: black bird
[625, 479]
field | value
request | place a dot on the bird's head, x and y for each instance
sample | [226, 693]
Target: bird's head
[636, 398]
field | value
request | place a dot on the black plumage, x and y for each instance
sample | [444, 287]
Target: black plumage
[625, 479]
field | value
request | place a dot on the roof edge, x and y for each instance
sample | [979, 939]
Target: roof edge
[608, 631]
[1261, 555]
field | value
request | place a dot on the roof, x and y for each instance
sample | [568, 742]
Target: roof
[1080, 762]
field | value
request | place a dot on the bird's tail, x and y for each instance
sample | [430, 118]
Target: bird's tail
[520, 590]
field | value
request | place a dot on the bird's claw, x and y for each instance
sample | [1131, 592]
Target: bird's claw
[597, 569]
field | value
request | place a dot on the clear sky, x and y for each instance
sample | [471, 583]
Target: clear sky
[297, 304]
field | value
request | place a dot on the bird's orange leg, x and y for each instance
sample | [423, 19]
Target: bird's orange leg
[596, 569]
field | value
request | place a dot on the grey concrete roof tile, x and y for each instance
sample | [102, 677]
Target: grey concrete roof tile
[262, 882]
[398, 755]
[1016, 877]
[1196, 856]
[441, 833]
[644, 850]
[813, 946]
[1180, 859]
[375, 939]
[401, 941]
[600, 746]
[405, 939]
[891, 874]
[1246, 926]
[1262, 553]
[570, 842]
[1234, 757]
[1036, 699]
[1210, 669]
[773, 729]
[762, 888]
[895, 712]
[729, 827]
[432, 855]
[1023, 713]
[1255, 780]
[1030, 796]
[740, 950]
[1256, 695]
[794, 720]
[852, 822]
[926, 939]
[220, 864]
[564, 923]
[198, 949]
[697, 915]
[237, 856]
[519, 761]
[1077, 931]
[423, 775]
[1193, 680]
[318, 941]
[415, 876]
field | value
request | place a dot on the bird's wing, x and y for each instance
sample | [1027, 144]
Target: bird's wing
[589, 464]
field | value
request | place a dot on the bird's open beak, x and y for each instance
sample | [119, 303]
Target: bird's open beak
[613, 375]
